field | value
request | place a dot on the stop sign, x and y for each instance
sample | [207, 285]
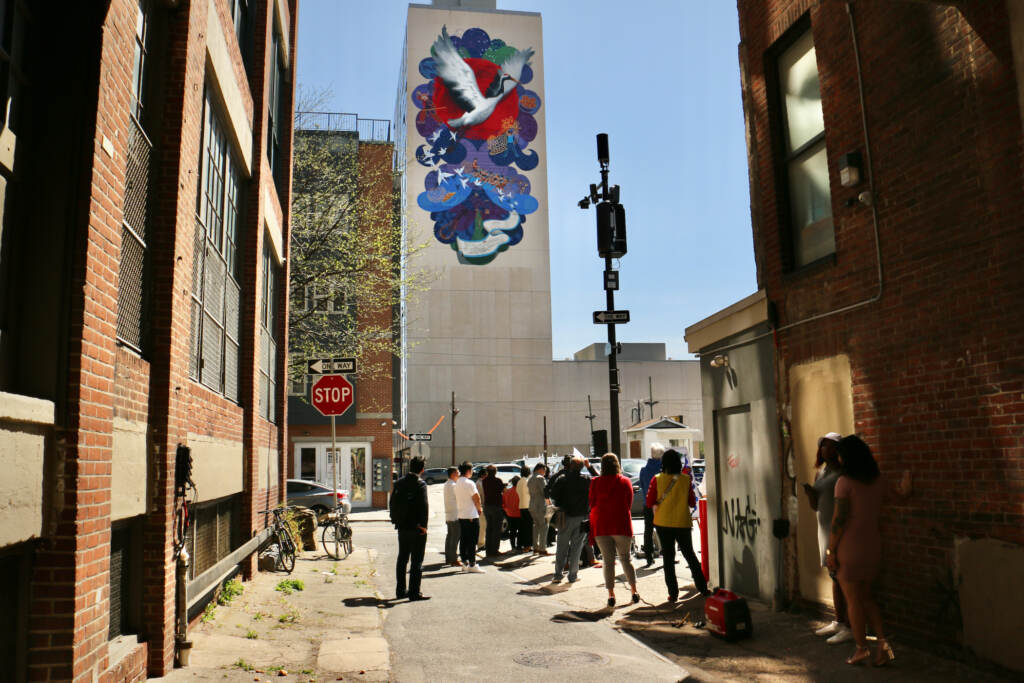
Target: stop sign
[332, 395]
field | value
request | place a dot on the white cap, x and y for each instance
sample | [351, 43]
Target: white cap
[831, 436]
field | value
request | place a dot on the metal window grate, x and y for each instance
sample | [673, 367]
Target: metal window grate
[120, 563]
[213, 535]
[133, 276]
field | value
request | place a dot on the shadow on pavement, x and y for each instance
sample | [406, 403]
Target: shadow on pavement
[368, 601]
[576, 616]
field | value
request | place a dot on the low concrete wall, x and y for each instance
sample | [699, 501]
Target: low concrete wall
[217, 466]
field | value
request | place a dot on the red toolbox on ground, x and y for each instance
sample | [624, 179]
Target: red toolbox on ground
[728, 615]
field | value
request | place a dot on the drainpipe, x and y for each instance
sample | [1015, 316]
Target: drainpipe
[182, 644]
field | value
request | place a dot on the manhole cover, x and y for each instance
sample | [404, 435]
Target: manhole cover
[558, 659]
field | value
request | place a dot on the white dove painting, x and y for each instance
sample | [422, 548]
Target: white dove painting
[476, 121]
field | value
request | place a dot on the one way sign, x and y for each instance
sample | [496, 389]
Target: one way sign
[610, 317]
[331, 366]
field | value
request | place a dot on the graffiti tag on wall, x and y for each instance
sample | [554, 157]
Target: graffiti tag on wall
[740, 522]
[476, 118]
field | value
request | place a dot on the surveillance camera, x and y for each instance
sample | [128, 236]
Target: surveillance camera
[585, 203]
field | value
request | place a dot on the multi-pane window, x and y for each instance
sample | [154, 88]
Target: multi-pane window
[274, 107]
[268, 337]
[216, 294]
[806, 162]
[133, 270]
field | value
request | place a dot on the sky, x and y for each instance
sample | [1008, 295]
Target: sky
[661, 78]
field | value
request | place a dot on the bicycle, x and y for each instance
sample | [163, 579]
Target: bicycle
[282, 536]
[336, 536]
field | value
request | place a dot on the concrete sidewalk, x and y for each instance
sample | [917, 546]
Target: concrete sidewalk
[331, 630]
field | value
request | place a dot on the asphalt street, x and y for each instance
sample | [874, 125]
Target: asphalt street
[506, 624]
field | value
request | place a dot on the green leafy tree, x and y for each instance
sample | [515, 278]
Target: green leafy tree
[350, 258]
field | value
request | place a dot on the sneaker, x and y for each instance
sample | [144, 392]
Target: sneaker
[573, 579]
[474, 569]
[828, 630]
[843, 635]
[557, 579]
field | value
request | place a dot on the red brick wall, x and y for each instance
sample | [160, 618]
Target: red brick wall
[937, 361]
[68, 621]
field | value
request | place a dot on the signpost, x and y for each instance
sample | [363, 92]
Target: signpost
[611, 279]
[610, 317]
[333, 395]
[420, 437]
[330, 366]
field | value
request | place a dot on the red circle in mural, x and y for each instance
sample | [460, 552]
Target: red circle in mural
[446, 109]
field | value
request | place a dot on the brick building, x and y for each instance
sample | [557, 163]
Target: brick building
[145, 166]
[885, 157]
[355, 157]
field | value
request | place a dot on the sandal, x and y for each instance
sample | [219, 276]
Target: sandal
[860, 655]
[884, 654]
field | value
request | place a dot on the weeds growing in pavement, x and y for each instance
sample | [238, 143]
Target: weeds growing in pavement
[209, 612]
[289, 617]
[289, 585]
[243, 665]
[251, 635]
[231, 590]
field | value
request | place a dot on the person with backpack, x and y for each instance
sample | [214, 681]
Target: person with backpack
[409, 511]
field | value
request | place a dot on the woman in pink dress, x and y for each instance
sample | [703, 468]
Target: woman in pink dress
[854, 553]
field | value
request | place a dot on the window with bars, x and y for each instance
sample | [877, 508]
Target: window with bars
[803, 172]
[268, 335]
[216, 293]
[133, 270]
[214, 534]
[275, 113]
[125, 567]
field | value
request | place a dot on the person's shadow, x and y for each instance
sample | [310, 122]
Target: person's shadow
[368, 601]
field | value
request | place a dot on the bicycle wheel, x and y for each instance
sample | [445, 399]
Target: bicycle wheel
[287, 549]
[332, 541]
[346, 539]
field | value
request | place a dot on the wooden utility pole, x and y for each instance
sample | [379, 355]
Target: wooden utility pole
[650, 402]
[455, 411]
[545, 442]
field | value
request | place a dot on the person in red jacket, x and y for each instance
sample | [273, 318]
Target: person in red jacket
[611, 497]
[510, 503]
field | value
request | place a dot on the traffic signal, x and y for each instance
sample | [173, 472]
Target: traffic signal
[611, 230]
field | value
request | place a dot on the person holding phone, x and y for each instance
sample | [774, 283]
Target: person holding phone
[821, 496]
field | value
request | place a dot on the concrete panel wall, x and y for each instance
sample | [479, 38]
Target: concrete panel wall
[268, 468]
[991, 601]
[216, 466]
[822, 401]
[22, 451]
[129, 470]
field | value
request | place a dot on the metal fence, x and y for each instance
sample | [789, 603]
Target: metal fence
[369, 130]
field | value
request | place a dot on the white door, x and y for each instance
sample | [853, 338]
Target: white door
[316, 462]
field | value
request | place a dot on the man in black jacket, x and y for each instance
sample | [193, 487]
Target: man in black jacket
[409, 515]
[570, 493]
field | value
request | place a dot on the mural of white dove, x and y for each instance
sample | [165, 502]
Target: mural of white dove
[460, 80]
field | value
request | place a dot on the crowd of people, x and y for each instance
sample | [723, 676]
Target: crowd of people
[591, 512]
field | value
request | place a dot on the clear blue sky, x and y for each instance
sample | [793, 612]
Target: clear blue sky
[661, 77]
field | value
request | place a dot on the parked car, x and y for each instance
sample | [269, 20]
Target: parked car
[314, 496]
[435, 475]
[505, 470]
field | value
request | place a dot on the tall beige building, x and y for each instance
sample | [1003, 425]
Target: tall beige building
[471, 149]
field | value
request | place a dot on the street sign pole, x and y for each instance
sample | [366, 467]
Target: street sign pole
[334, 457]
[613, 366]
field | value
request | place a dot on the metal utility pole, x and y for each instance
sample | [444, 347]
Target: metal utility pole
[545, 442]
[650, 402]
[611, 244]
[455, 411]
[590, 416]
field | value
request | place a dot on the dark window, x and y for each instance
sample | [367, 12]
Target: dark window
[15, 594]
[243, 31]
[133, 272]
[275, 113]
[124, 583]
[307, 463]
[803, 173]
[216, 293]
[213, 534]
[268, 334]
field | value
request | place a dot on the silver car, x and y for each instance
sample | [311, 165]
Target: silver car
[315, 496]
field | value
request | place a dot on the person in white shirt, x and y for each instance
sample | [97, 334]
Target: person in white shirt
[451, 520]
[525, 525]
[467, 501]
